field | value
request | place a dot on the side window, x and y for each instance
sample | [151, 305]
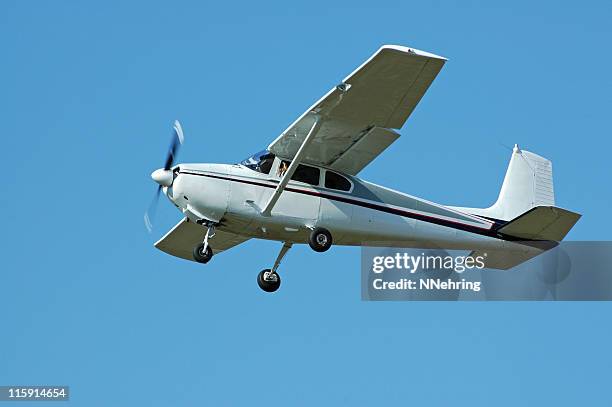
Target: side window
[336, 181]
[309, 175]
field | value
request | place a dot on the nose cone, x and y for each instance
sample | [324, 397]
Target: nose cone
[163, 177]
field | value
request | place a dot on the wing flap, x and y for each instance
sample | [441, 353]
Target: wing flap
[367, 148]
[183, 237]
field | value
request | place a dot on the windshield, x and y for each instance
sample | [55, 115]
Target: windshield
[260, 162]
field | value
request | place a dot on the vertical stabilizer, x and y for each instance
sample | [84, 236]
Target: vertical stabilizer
[528, 183]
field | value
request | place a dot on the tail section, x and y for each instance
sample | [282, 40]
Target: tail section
[526, 208]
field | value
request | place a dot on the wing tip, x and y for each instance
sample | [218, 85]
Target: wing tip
[413, 51]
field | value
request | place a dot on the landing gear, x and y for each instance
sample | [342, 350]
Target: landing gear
[268, 279]
[320, 240]
[202, 253]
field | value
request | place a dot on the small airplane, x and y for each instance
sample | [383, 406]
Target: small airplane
[304, 187]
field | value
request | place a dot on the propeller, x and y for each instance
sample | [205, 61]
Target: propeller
[164, 176]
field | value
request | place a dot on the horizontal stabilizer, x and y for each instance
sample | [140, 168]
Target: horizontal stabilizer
[541, 223]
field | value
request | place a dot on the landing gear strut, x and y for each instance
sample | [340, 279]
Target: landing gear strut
[268, 279]
[202, 253]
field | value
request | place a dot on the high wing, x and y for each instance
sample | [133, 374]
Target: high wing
[357, 116]
[183, 237]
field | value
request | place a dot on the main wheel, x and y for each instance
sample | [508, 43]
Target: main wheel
[320, 240]
[200, 255]
[268, 281]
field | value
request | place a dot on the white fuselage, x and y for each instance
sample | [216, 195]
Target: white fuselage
[232, 196]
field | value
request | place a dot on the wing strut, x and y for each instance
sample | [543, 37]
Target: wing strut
[292, 167]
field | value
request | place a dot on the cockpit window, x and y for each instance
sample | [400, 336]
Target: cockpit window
[260, 162]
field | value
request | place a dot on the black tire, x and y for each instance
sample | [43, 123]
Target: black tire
[320, 240]
[268, 286]
[200, 256]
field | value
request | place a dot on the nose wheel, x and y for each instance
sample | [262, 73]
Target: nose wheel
[202, 253]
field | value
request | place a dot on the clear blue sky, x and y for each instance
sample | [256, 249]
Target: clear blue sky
[87, 97]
